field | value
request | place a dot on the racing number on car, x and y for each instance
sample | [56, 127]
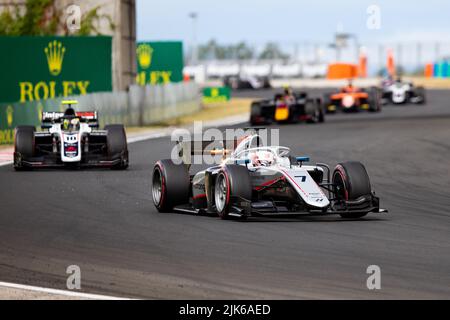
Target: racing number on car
[303, 178]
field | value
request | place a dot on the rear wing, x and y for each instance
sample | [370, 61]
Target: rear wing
[263, 104]
[51, 117]
[186, 150]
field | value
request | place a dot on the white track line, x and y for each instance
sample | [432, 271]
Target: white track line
[149, 136]
[65, 293]
[5, 163]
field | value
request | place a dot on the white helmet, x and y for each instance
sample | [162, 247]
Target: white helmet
[262, 158]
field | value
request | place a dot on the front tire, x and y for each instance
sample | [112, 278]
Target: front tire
[315, 116]
[24, 145]
[231, 181]
[255, 112]
[321, 114]
[351, 182]
[420, 92]
[314, 113]
[116, 141]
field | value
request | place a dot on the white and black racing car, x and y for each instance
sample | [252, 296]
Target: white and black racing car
[70, 139]
[400, 92]
[239, 82]
[256, 180]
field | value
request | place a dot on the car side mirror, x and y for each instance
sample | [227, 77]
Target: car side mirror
[301, 160]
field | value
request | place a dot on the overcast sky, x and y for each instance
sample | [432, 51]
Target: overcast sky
[297, 25]
[285, 21]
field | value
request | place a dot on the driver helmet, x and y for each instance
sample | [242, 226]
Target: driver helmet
[288, 96]
[262, 158]
[349, 87]
[66, 124]
[71, 124]
[287, 91]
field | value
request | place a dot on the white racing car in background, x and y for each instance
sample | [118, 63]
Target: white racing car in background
[400, 92]
[243, 81]
[70, 139]
[253, 180]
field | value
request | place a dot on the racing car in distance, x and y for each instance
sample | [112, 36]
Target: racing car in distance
[71, 139]
[352, 99]
[246, 82]
[257, 180]
[400, 92]
[287, 108]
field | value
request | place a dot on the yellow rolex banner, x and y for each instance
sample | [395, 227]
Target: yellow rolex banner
[159, 62]
[38, 68]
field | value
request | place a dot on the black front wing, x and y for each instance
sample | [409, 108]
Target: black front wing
[242, 208]
[54, 161]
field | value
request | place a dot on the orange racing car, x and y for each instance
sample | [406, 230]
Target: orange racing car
[353, 99]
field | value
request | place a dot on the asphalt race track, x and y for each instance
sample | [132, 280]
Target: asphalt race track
[105, 222]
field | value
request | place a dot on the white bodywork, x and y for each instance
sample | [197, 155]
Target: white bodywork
[70, 146]
[255, 82]
[399, 91]
[348, 101]
[275, 160]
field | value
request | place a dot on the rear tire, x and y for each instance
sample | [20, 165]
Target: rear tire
[315, 112]
[255, 111]
[374, 100]
[116, 140]
[420, 92]
[170, 185]
[232, 181]
[351, 182]
[24, 145]
[321, 111]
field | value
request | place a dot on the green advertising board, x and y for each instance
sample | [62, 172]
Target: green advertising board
[159, 62]
[216, 94]
[37, 68]
[14, 114]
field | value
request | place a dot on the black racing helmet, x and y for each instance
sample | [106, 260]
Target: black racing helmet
[70, 112]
